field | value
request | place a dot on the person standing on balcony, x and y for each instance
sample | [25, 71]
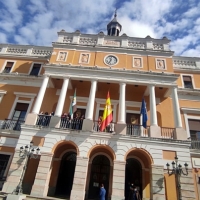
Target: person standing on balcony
[99, 123]
[112, 127]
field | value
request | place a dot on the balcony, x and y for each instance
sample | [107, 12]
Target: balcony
[195, 144]
[10, 124]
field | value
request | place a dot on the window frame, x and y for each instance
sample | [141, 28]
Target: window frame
[5, 63]
[31, 68]
[192, 79]
[9, 161]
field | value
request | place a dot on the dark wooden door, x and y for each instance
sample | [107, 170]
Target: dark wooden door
[132, 118]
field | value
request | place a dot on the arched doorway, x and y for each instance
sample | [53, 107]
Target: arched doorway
[66, 175]
[133, 174]
[100, 173]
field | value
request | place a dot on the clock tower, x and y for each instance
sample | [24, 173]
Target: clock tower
[114, 27]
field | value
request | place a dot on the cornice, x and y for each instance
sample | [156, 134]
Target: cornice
[184, 91]
[105, 74]
[113, 49]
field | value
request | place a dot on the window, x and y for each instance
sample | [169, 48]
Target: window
[20, 111]
[187, 80]
[8, 67]
[3, 164]
[194, 126]
[35, 69]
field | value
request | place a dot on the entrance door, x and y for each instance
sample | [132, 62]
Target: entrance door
[3, 166]
[133, 174]
[66, 175]
[100, 173]
[80, 112]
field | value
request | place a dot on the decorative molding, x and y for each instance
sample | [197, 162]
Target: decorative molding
[191, 110]
[25, 95]
[161, 64]
[137, 62]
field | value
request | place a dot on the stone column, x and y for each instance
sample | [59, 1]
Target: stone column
[55, 120]
[32, 117]
[14, 173]
[88, 121]
[155, 130]
[40, 96]
[61, 99]
[157, 183]
[41, 183]
[118, 180]
[120, 127]
[181, 133]
[153, 117]
[80, 174]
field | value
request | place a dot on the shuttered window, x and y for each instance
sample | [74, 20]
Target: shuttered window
[8, 67]
[36, 69]
[194, 126]
[187, 80]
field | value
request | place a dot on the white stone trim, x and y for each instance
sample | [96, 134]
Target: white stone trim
[4, 65]
[137, 57]
[113, 56]
[33, 65]
[57, 59]
[88, 58]
[24, 95]
[2, 93]
[186, 111]
[192, 78]
[164, 60]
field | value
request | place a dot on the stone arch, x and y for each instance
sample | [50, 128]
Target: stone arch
[101, 148]
[140, 171]
[60, 147]
[106, 156]
[143, 155]
[61, 165]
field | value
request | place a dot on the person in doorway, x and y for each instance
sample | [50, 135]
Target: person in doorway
[99, 123]
[112, 127]
[136, 194]
[131, 191]
[102, 194]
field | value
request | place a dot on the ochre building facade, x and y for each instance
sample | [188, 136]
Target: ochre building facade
[37, 85]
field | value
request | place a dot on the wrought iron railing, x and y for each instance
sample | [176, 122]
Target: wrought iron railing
[195, 144]
[109, 129]
[137, 130]
[43, 120]
[11, 124]
[168, 132]
[67, 123]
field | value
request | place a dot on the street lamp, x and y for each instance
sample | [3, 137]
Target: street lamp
[177, 170]
[25, 153]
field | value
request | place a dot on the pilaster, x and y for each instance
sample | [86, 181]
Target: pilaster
[41, 183]
[80, 175]
[157, 183]
[118, 180]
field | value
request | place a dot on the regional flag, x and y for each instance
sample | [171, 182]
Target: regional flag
[73, 107]
[107, 114]
[143, 111]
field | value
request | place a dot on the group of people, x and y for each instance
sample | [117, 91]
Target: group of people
[75, 123]
[133, 193]
[110, 128]
[44, 118]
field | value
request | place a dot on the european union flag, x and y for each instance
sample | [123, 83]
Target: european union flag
[143, 111]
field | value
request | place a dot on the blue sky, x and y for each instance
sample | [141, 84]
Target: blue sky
[37, 22]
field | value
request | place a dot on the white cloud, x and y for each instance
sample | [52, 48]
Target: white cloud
[37, 22]
[3, 38]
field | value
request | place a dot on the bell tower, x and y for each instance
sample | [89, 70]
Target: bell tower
[114, 27]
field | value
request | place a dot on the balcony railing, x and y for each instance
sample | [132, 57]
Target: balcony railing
[137, 130]
[168, 133]
[109, 129]
[67, 123]
[195, 144]
[43, 120]
[11, 124]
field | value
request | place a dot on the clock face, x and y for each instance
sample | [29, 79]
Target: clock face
[111, 60]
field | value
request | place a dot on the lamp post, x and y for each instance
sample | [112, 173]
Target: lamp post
[177, 170]
[25, 153]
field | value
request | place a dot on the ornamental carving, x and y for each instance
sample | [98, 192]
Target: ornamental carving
[67, 40]
[136, 45]
[87, 41]
[41, 52]
[16, 50]
[158, 46]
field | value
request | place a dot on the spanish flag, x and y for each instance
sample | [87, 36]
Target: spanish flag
[107, 114]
